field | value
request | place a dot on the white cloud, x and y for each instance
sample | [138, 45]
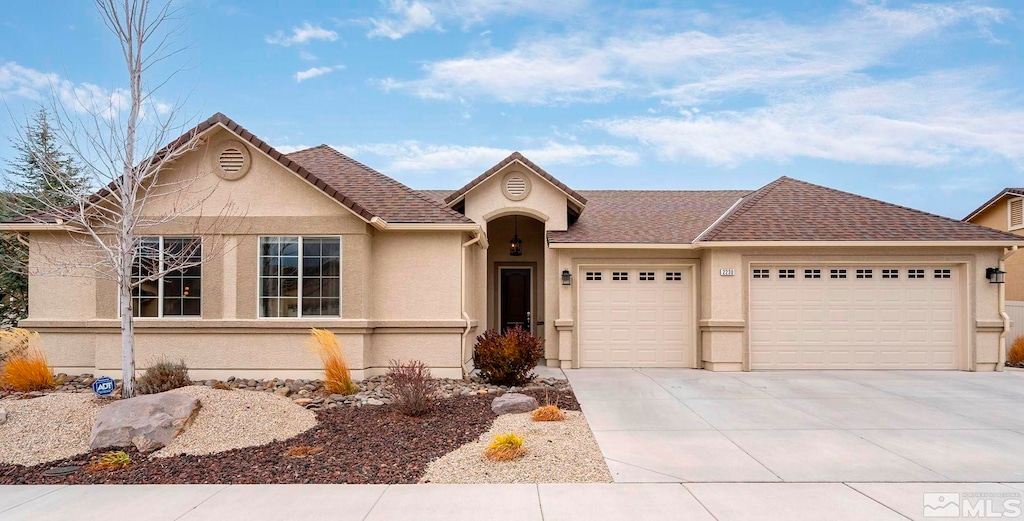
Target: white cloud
[405, 17]
[695, 65]
[417, 157]
[303, 34]
[83, 98]
[923, 121]
[313, 72]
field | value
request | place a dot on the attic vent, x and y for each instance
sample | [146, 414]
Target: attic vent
[232, 160]
[516, 186]
[1016, 213]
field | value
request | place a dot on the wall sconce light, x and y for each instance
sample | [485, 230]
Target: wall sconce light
[566, 278]
[995, 275]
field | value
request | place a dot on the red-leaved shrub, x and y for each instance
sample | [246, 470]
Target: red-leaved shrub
[507, 358]
[411, 387]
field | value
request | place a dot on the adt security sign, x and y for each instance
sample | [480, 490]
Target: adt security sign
[103, 386]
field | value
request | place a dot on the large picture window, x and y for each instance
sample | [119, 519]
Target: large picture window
[179, 292]
[300, 277]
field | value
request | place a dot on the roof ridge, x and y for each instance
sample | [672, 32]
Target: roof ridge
[743, 207]
[394, 182]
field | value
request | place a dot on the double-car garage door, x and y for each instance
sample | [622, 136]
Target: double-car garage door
[813, 316]
[854, 317]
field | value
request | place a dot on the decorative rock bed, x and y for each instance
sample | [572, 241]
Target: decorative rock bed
[311, 393]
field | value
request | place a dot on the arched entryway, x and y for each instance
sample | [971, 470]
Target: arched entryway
[515, 283]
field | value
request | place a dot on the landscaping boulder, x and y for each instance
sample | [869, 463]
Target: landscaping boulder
[513, 403]
[148, 422]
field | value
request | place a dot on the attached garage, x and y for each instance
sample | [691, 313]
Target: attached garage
[821, 316]
[636, 316]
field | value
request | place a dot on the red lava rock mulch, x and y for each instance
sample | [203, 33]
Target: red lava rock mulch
[360, 445]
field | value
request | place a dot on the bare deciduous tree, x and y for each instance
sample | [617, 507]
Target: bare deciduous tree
[109, 227]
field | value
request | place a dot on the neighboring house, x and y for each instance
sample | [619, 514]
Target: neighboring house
[1005, 212]
[788, 276]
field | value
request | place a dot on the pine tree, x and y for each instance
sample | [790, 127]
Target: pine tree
[40, 172]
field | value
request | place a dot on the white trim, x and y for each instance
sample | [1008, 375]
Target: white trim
[37, 227]
[383, 225]
[990, 203]
[160, 282]
[298, 297]
[533, 295]
[720, 219]
[859, 244]
[619, 245]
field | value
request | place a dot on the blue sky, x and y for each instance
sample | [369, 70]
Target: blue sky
[920, 104]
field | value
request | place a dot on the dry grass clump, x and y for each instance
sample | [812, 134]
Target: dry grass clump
[505, 447]
[1016, 354]
[27, 372]
[548, 413]
[303, 451]
[113, 460]
[164, 375]
[337, 379]
[411, 386]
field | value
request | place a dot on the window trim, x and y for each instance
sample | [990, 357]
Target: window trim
[160, 285]
[341, 289]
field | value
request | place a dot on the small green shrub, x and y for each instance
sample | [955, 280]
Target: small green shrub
[507, 358]
[164, 375]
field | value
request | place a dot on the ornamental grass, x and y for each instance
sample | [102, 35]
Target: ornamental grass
[1016, 354]
[505, 447]
[337, 378]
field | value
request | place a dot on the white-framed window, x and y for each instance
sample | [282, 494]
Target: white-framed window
[646, 275]
[812, 274]
[673, 275]
[787, 273]
[915, 274]
[593, 275]
[837, 274]
[620, 275]
[762, 273]
[176, 294]
[865, 273]
[300, 277]
[1015, 213]
[890, 273]
[942, 273]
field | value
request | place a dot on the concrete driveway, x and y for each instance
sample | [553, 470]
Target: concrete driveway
[667, 425]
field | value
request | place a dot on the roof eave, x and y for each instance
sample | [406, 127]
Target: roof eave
[881, 244]
[992, 201]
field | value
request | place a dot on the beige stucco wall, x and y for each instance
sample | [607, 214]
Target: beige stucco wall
[401, 296]
[995, 216]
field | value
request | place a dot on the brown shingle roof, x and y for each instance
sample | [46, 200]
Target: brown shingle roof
[647, 216]
[791, 210]
[379, 194]
[437, 195]
[1006, 191]
[515, 156]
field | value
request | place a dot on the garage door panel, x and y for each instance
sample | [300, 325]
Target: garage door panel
[876, 317]
[642, 318]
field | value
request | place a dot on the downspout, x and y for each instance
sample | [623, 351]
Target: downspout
[1002, 312]
[462, 298]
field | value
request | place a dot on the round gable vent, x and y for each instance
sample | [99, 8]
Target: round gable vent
[516, 186]
[231, 160]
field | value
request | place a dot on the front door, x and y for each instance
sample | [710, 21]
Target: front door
[515, 297]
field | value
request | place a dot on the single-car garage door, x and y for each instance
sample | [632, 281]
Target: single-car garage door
[634, 316]
[854, 317]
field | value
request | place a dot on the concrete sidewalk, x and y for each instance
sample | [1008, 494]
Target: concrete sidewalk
[547, 502]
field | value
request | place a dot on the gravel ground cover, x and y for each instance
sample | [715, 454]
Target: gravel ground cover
[359, 445]
[236, 419]
[557, 452]
[48, 428]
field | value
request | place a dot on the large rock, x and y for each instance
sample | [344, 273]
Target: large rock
[513, 403]
[148, 422]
